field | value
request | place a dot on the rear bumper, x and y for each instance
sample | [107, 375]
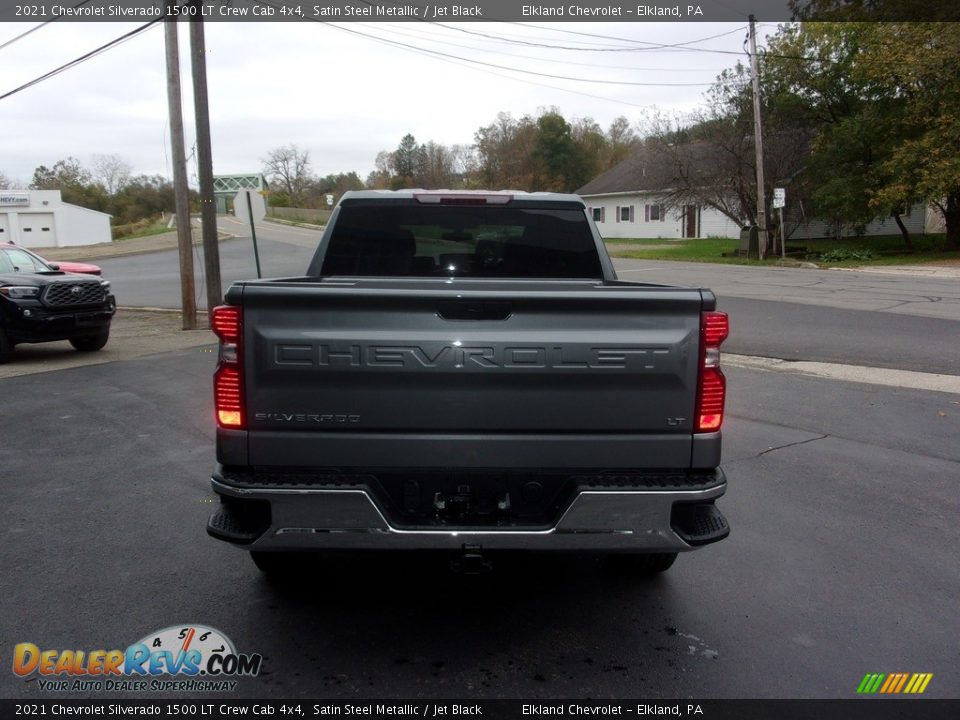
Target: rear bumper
[656, 517]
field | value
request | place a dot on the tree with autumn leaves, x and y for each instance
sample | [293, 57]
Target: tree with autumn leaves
[542, 152]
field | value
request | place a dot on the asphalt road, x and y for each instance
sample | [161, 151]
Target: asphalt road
[842, 560]
[867, 319]
[843, 502]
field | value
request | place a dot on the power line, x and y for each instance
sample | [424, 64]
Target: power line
[28, 32]
[437, 53]
[593, 81]
[677, 47]
[43, 24]
[82, 58]
[632, 40]
[528, 82]
[433, 37]
[653, 45]
[506, 37]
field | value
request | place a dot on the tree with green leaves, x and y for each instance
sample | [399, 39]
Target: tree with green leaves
[913, 70]
[406, 162]
[145, 196]
[562, 165]
[335, 184]
[74, 182]
[884, 101]
[67, 173]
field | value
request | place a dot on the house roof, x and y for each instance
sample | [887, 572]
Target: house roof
[649, 171]
[701, 162]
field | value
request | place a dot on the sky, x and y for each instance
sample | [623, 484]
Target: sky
[334, 90]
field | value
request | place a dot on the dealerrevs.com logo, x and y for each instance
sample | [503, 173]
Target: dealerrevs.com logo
[180, 658]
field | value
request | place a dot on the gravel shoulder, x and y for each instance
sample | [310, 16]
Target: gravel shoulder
[133, 334]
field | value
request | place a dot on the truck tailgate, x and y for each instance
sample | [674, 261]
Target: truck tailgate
[337, 366]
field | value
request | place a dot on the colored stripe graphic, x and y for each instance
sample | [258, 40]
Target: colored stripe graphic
[894, 683]
[918, 683]
[903, 680]
[870, 683]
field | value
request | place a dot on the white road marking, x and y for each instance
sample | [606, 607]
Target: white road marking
[851, 373]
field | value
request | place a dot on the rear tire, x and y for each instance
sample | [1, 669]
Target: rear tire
[91, 343]
[643, 563]
[6, 348]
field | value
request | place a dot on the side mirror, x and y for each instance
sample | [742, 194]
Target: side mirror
[53, 266]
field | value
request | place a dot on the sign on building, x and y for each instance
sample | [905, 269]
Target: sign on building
[9, 200]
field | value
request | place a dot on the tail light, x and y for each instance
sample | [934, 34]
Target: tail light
[463, 198]
[227, 323]
[711, 385]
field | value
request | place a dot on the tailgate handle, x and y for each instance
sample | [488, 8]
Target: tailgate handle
[474, 310]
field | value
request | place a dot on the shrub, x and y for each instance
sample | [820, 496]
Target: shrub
[844, 254]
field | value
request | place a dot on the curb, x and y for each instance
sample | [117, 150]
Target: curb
[169, 311]
[291, 223]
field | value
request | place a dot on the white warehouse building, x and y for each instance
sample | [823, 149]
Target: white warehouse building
[40, 218]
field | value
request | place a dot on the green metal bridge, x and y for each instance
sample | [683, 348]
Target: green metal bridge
[225, 188]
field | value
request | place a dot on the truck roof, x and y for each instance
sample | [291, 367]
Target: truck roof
[411, 193]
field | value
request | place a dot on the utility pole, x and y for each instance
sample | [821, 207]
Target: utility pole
[208, 210]
[188, 301]
[758, 141]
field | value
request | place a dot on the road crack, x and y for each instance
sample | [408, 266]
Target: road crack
[793, 444]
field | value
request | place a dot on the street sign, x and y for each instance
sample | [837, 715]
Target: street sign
[329, 199]
[779, 197]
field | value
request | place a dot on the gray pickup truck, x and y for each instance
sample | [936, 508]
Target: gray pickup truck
[464, 371]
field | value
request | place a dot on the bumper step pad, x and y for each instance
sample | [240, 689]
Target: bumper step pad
[699, 523]
[239, 521]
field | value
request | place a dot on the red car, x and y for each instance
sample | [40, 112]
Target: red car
[41, 264]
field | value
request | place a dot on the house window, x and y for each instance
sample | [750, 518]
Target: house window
[654, 212]
[625, 213]
[597, 214]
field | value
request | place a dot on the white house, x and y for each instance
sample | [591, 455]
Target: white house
[627, 202]
[40, 218]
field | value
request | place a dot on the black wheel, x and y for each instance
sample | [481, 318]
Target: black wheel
[274, 564]
[643, 563]
[91, 343]
[6, 348]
